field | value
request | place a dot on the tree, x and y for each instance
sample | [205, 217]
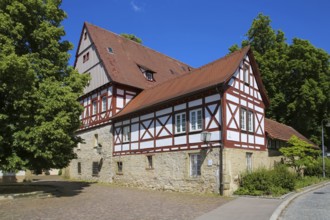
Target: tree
[132, 37]
[299, 154]
[296, 77]
[39, 111]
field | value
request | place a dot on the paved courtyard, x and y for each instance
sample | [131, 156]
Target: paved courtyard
[80, 200]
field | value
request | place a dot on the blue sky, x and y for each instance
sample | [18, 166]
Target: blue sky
[198, 32]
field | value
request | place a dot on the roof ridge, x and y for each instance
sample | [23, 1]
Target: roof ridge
[199, 68]
[141, 45]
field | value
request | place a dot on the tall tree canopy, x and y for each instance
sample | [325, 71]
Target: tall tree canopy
[39, 111]
[296, 77]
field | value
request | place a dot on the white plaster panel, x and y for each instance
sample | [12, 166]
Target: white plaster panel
[237, 85]
[134, 146]
[110, 90]
[164, 111]
[109, 102]
[147, 116]
[258, 109]
[180, 140]
[255, 83]
[228, 115]
[146, 144]
[180, 107]
[129, 98]
[231, 82]
[241, 86]
[135, 119]
[243, 102]
[164, 142]
[125, 147]
[250, 105]
[195, 103]
[135, 132]
[243, 138]
[215, 135]
[194, 138]
[260, 140]
[212, 98]
[120, 102]
[117, 147]
[246, 89]
[251, 139]
[207, 117]
[236, 74]
[241, 74]
[120, 92]
[232, 98]
[232, 135]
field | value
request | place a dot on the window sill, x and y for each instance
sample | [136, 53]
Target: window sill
[119, 173]
[148, 168]
[95, 175]
[193, 178]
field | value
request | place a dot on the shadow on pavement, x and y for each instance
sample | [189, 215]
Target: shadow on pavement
[53, 186]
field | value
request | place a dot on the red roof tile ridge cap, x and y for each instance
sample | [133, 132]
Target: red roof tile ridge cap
[138, 44]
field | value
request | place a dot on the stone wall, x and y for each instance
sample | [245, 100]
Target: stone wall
[235, 163]
[87, 154]
[170, 172]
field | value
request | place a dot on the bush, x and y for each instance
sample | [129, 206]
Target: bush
[316, 169]
[267, 182]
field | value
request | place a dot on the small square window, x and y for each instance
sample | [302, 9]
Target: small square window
[150, 162]
[195, 165]
[119, 167]
[79, 168]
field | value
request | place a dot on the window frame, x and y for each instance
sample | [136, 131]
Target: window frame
[249, 161]
[94, 108]
[181, 127]
[102, 104]
[243, 119]
[197, 119]
[246, 74]
[95, 168]
[126, 134]
[195, 165]
[250, 123]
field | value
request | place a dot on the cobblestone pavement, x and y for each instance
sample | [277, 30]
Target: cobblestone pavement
[312, 205]
[80, 200]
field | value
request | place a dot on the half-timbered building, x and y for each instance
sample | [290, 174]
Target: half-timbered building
[152, 121]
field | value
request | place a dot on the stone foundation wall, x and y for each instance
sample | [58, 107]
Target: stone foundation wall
[87, 154]
[235, 163]
[170, 172]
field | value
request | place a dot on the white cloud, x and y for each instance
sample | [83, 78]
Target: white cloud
[135, 7]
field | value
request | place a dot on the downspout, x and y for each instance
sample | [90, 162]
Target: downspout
[220, 90]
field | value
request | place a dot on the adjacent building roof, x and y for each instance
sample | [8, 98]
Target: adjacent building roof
[122, 63]
[205, 77]
[276, 130]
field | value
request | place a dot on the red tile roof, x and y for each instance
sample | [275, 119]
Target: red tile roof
[122, 65]
[205, 77]
[276, 130]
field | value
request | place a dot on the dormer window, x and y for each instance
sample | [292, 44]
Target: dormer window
[148, 74]
[110, 50]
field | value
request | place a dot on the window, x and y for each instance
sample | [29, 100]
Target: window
[150, 165]
[85, 35]
[96, 140]
[195, 165]
[126, 134]
[246, 75]
[148, 74]
[104, 104]
[180, 123]
[79, 167]
[243, 119]
[196, 120]
[110, 50]
[95, 169]
[94, 108]
[119, 167]
[249, 162]
[250, 122]
[86, 57]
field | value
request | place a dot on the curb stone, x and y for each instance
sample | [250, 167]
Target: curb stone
[279, 210]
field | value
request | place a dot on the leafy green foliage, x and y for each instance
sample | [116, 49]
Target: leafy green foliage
[296, 77]
[299, 154]
[267, 182]
[315, 169]
[132, 37]
[39, 112]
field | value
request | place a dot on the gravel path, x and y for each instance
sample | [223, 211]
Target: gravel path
[80, 200]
